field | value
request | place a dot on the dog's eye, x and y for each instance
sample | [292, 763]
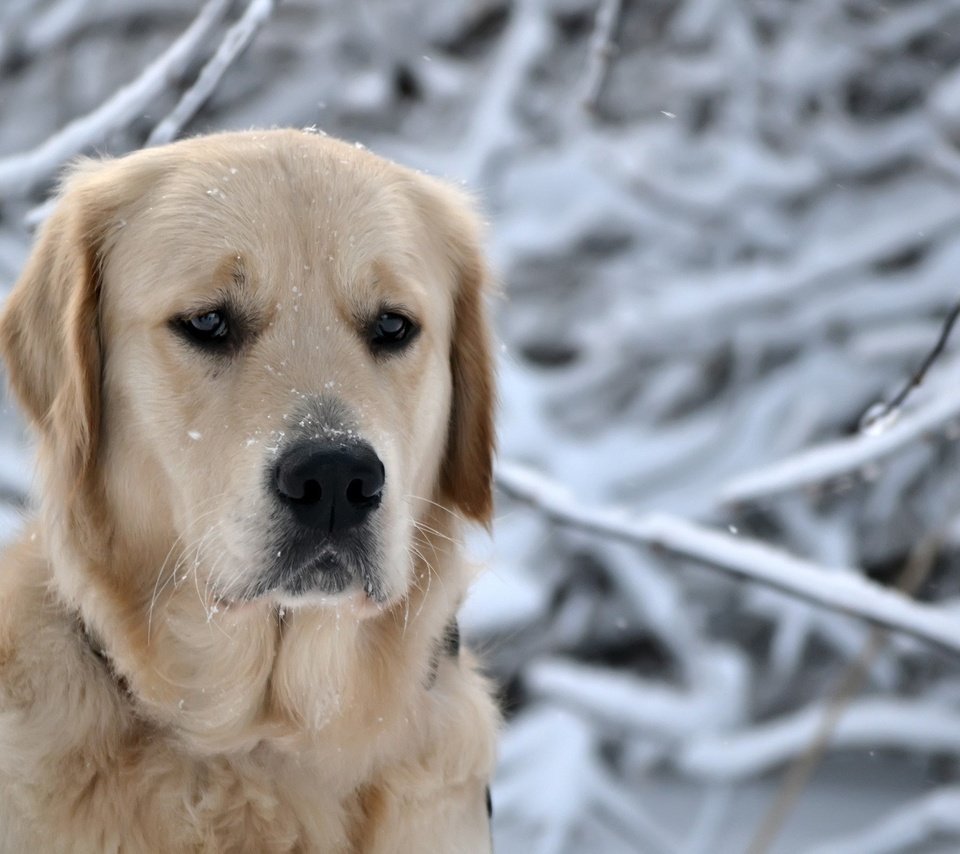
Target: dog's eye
[209, 327]
[392, 331]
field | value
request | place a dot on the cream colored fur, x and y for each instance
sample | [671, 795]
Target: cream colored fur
[207, 723]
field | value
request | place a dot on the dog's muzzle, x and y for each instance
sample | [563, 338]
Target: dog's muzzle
[325, 537]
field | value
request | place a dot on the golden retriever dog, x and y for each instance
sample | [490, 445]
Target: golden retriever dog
[259, 369]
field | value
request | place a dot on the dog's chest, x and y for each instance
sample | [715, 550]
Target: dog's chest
[137, 801]
[128, 797]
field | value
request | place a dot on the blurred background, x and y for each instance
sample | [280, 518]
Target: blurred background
[724, 230]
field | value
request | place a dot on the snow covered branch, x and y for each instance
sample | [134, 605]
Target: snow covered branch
[839, 588]
[905, 829]
[844, 456]
[560, 787]
[235, 42]
[627, 702]
[20, 174]
[918, 726]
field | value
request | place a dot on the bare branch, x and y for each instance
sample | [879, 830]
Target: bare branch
[235, 42]
[838, 588]
[21, 173]
[602, 51]
[877, 415]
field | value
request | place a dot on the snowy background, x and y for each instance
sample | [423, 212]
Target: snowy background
[725, 229]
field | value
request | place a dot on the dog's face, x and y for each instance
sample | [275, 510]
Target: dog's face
[268, 355]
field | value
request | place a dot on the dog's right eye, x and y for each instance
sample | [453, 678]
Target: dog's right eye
[208, 328]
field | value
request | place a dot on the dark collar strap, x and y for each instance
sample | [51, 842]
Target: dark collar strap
[91, 640]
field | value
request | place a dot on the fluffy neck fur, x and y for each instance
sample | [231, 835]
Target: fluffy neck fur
[229, 681]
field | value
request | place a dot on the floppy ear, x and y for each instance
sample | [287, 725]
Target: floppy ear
[49, 332]
[466, 474]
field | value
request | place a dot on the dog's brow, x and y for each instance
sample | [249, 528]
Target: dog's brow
[384, 278]
[231, 273]
[392, 287]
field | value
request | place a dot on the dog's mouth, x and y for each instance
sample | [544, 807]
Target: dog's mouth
[324, 573]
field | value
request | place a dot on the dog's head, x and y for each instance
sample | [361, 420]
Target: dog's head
[262, 355]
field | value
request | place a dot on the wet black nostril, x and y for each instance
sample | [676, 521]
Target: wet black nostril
[360, 491]
[330, 487]
[293, 482]
[312, 492]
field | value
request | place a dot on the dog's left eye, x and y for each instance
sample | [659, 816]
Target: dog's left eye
[208, 327]
[392, 331]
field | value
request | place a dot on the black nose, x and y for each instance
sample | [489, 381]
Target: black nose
[331, 488]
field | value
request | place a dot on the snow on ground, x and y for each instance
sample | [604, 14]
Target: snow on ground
[711, 270]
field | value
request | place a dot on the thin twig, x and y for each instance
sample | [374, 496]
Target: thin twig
[235, 42]
[21, 173]
[841, 589]
[602, 51]
[878, 414]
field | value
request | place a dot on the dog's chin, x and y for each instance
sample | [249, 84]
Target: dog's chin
[327, 579]
[352, 601]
